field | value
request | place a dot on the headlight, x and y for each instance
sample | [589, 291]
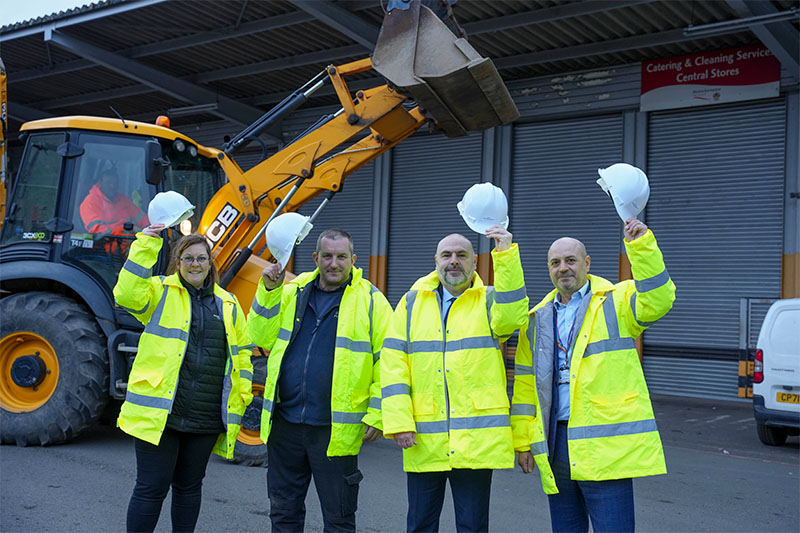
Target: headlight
[186, 227]
[193, 150]
[179, 145]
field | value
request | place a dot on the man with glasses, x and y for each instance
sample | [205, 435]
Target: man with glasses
[324, 330]
[582, 403]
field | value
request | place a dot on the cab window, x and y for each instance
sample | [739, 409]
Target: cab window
[109, 202]
[36, 190]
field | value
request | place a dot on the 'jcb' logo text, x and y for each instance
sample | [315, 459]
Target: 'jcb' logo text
[217, 229]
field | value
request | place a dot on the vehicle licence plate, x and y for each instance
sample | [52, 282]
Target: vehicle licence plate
[788, 397]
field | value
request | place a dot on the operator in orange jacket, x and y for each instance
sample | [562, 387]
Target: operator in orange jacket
[105, 210]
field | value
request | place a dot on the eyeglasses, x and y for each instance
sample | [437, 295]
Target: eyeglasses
[188, 259]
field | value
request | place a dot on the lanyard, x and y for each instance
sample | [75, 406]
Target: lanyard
[570, 336]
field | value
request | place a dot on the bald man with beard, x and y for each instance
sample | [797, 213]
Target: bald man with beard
[443, 380]
[581, 409]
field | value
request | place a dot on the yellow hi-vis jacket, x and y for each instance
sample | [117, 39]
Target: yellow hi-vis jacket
[163, 305]
[447, 381]
[612, 431]
[355, 389]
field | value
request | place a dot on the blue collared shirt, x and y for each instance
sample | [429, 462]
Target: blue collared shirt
[447, 301]
[567, 331]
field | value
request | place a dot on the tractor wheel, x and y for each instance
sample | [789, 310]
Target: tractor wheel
[249, 449]
[53, 369]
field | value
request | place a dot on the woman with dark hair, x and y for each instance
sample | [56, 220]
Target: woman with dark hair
[191, 379]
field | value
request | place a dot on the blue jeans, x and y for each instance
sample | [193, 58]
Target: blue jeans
[609, 504]
[471, 490]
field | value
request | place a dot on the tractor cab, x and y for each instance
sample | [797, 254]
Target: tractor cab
[84, 185]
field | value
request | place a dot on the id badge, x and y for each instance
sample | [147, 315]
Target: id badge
[563, 376]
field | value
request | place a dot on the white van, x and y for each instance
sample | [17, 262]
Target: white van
[776, 374]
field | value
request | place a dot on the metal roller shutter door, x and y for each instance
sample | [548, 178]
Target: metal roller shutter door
[554, 194]
[716, 207]
[350, 210]
[430, 174]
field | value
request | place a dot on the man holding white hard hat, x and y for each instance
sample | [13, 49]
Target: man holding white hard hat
[581, 408]
[443, 374]
[324, 330]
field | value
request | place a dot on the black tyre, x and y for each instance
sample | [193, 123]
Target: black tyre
[770, 435]
[53, 369]
[249, 450]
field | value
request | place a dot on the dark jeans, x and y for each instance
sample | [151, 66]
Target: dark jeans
[609, 504]
[471, 491]
[179, 460]
[296, 452]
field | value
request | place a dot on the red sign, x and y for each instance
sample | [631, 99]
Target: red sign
[729, 75]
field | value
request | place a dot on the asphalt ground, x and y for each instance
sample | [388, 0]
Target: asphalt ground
[721, 478]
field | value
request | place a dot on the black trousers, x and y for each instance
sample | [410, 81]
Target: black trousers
[179, 460]
[471, 493]
[296, 452]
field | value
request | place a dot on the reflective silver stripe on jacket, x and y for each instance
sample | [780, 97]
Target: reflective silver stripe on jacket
[246, 374]
[135, 311]
[148, 401]
[395, 344]
[523, 370]
[464, 423]
[523, 409]
[284, 334]
[439, 426]
[227, 381]
[654, 282]
[154, 328]
[612, 430]
[342, 417]
[234, 419]
[375, 355]
[509, 297]
[642, 323]
[354, 346]
[395, 389]
[470, 343]
[479, 422]
[374, 403]
[538, 448]
[614, 341]
[137, 270]
[266, 312]
[410, 297]
[267, 405]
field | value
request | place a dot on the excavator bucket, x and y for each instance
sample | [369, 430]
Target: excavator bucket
[460, 90]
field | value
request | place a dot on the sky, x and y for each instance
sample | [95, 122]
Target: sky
[12, 11]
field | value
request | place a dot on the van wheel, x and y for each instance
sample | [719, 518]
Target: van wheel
[771, 436]
[249, 450]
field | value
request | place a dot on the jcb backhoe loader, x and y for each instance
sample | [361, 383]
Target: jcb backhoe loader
[65, 348]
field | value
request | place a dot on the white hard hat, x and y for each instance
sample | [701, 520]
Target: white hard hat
[627, 186]
[484, 206]
[169, 208]
[283, 232]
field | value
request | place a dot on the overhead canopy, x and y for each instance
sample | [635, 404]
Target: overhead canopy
[202, 61]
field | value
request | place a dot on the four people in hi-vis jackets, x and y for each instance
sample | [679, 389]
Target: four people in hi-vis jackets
[344, 369]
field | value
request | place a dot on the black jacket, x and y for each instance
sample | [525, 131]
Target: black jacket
[197, 407]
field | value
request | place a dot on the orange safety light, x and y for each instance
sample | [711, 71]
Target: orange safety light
[162, 120]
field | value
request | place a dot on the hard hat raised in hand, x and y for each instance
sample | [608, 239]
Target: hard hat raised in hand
[627, 186]
[284, 232]
[169, 208]
[483, 206]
